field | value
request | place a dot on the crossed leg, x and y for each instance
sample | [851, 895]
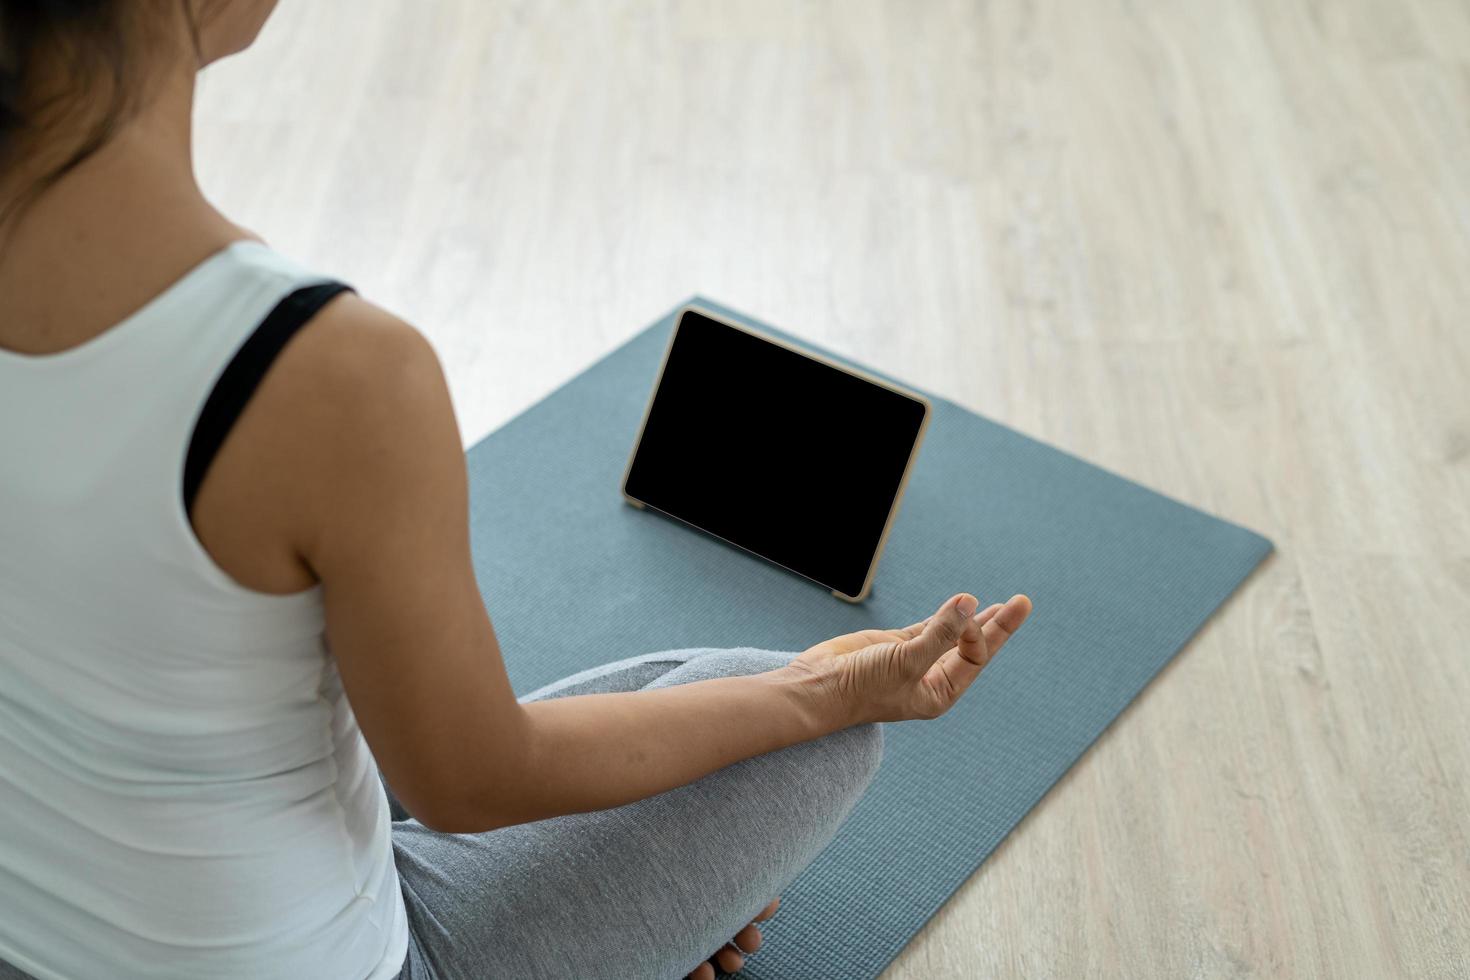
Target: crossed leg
[649, 889]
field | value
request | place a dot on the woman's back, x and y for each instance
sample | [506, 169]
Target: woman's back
[183, 781]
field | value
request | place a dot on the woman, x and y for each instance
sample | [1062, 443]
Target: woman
[235, 587]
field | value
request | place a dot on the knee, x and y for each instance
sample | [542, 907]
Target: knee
[847, 760]
[724, 662]
[808, 789]
[853, 756]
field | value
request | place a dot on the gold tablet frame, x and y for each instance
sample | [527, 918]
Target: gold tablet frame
[855, 372]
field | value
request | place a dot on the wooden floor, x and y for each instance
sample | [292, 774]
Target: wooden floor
[1220, 248]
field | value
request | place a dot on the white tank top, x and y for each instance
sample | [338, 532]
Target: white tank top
[184, 791]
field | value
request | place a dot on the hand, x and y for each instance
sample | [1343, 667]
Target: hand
[919, 671]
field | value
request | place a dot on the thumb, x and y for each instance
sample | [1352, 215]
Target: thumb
[942, 632]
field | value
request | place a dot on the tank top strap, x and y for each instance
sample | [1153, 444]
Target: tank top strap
[108, 425]
[247, 368]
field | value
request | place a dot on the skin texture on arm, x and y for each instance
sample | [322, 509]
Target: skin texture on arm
[349, 455]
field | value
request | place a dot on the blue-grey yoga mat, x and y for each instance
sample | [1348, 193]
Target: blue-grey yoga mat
[1121, 578]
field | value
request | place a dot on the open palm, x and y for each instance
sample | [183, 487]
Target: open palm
[916, 671]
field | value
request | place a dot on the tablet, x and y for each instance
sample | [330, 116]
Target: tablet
[779, 451]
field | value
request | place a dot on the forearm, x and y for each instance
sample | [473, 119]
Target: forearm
[591, 752]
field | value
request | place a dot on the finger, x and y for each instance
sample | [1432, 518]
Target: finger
[958, 668]
[1003, 625]
[749, 939]
[909, 632]
[984, 616]
[942, 631]
[703, 972]
[768, 911]
[981, 618]
[729, 959]
[914, 629]
[978, 646]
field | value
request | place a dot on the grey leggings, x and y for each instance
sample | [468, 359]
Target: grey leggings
[650, 889]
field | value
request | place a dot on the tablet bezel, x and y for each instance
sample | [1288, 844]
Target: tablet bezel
[816, 356]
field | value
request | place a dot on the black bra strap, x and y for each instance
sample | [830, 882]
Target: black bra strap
[243, 374]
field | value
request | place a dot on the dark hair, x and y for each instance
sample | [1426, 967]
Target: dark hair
[92, 41]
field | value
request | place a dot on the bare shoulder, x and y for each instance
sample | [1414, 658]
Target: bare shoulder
[358, 379]
[354, 348]
[367, 393]
[352, 420]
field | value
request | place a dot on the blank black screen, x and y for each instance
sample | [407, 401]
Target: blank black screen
[775, 452]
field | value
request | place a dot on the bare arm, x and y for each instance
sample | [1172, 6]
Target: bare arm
[358, 463]
[610, 749]
[377, 508]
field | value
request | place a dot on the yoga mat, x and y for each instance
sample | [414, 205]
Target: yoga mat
[1121, 578]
